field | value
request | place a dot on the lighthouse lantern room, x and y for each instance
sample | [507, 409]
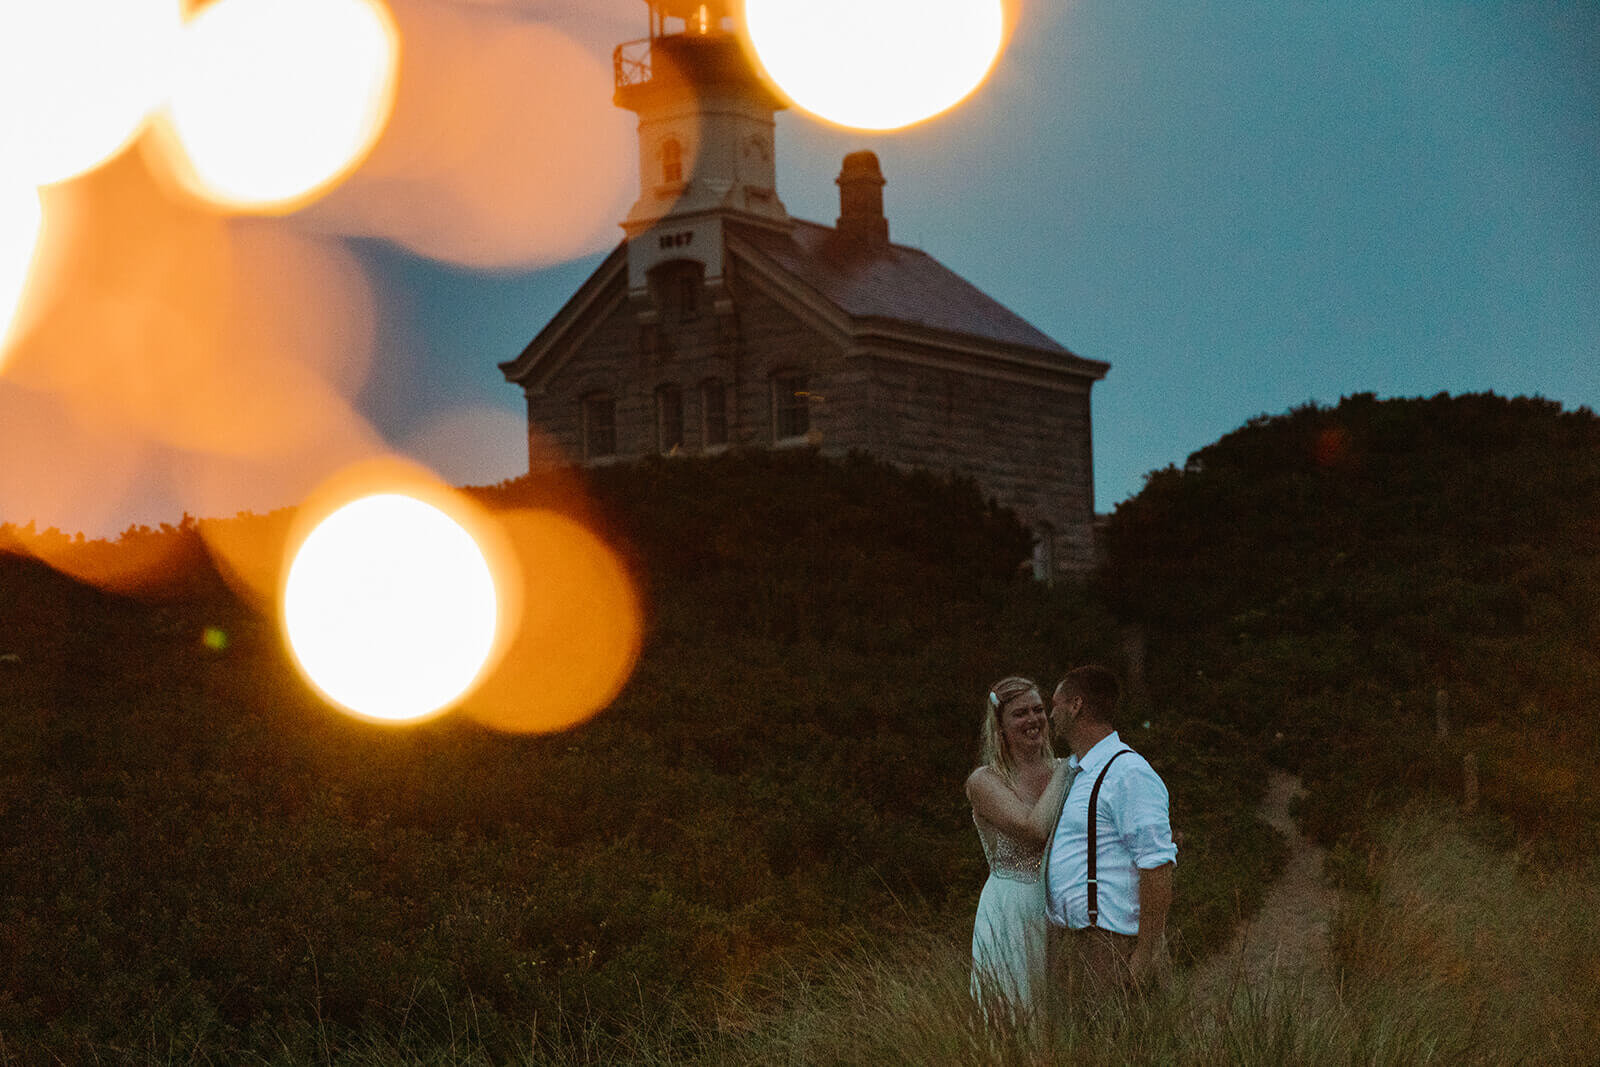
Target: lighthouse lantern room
[706, 138]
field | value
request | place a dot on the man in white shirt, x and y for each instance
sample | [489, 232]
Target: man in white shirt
[1115, 926]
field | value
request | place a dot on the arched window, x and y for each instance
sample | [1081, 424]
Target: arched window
[713, 413]
[671, 161]
[669, 418]
[599, 415]
[791, 405]
[676, 286]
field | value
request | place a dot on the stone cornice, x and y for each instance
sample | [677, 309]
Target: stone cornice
[964, 361]
[941, 345]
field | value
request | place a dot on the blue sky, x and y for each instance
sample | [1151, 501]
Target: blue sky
[1240, 206]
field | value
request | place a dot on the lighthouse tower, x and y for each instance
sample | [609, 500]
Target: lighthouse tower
[705, 141]
[720, 322]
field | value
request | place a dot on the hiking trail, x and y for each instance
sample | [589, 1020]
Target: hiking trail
[1288, 937]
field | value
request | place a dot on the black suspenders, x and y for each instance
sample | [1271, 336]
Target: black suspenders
[1094, 844]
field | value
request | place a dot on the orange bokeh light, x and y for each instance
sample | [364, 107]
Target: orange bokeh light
[396, 592]
[187, 328]
[274, 101]
[171, 359]
[389, 608]
[20, 219]
[77, 80]
[69, 475]
[503, 149]
[829, 56]
[578, 634]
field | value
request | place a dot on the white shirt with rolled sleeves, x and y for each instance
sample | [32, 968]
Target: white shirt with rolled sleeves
[1135, 833]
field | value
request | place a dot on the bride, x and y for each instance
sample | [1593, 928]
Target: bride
[1016, 797]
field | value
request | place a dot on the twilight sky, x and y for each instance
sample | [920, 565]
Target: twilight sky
[1240, 206]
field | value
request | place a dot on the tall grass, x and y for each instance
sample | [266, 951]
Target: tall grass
[1501, 959]
[1459, 953]
[912, 1005]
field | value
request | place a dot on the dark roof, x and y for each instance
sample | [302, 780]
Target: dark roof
[893, 282]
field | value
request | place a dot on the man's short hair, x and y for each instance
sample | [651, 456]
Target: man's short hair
[1099, 689]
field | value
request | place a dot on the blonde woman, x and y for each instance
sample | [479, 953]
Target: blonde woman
[1016, 796]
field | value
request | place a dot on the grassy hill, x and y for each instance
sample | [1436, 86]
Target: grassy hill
[1378, 590]
[200, 860]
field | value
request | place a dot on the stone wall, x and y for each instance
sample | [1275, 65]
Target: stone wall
[1025, 443]
[741, 350]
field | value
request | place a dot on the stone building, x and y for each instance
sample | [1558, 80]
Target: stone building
[721, 321]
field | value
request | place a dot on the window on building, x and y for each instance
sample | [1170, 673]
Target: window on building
[791, 406]
[669, 418]
[651, 343]
[688, 293]
[671, 161]
[599, 426]
[713, 413]
[675, 289]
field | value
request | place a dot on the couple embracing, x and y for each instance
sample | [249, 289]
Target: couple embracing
[1080, 848]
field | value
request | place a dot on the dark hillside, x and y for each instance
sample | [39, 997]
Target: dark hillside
[1382, 589]
[197, 858]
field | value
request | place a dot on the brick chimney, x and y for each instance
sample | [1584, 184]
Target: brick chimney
[861, 184]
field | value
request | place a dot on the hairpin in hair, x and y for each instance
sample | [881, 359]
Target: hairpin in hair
[994, 700]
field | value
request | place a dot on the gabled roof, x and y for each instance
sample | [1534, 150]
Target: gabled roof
[888, 290]
[590, 295]
[896, 284]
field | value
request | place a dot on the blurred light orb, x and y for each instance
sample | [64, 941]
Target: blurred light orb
[21, 217]
[578, 633]
[876, 64]
[390, 608]
[78, 78]
[274, 101]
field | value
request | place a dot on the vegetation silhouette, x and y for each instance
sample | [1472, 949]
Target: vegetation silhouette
[198, 860]
[198, 855]
[1376, 591]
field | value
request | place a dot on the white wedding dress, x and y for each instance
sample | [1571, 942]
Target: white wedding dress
[1008, 936]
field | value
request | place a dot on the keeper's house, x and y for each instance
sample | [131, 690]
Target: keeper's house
[721, 321]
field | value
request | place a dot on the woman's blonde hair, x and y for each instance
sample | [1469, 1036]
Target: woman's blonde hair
[995, 751]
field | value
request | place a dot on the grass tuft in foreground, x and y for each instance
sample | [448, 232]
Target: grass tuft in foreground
[1461, 954]
[1498, 960]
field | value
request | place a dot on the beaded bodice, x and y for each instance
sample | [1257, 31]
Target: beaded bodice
[1008, 857]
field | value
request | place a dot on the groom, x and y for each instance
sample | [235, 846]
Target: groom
[1111, 900]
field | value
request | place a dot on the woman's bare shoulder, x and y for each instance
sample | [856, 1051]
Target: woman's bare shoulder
[983, 777]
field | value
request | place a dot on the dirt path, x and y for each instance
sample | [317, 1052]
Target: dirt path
[1289, 936]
